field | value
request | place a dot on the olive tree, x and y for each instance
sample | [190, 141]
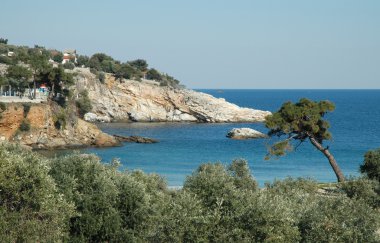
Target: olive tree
[31, 207]
[302, 121]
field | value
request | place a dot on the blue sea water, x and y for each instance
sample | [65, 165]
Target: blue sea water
[184, 146]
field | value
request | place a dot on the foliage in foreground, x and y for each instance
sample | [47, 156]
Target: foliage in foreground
[77, 198]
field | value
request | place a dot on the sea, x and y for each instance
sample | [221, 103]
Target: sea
[182, 147]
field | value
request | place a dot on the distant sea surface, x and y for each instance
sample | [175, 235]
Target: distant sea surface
[355, 125]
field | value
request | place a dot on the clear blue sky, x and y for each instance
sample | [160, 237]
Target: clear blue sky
[215, 43]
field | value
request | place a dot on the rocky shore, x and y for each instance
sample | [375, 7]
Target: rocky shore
[43, 132]
[146, 101]
[52, 127]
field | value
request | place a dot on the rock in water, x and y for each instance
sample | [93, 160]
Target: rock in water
[135, 139]
[245, 133]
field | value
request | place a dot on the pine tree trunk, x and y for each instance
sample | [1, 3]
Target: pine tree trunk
[333, 163]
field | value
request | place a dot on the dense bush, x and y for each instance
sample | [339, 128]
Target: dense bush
[339, 219]
[153, 74]
[3, 106]
[31, 208]
[111, 205]
[26, 107]
[78, 198]
[83, 103]
[24, 125]
[68, 65]
[60, 119]
[101, 77]
[363, 189]
[6, 60]
[371, 165]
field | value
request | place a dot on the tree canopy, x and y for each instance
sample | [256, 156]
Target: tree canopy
[19, 77]
[298, 122]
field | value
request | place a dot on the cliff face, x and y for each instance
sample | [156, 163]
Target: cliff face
[146, 101]
[44, 134]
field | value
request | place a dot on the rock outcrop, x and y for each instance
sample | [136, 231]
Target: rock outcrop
[145, 101]
[245, 133]
[43, 132]
[135, 139]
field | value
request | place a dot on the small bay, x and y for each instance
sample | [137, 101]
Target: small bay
[184, 146]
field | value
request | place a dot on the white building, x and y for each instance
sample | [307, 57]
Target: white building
[69, 56]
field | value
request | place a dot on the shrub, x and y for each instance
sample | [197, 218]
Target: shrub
[25, 125]
[94, 71]
[102, 77]
[5, 60]
[363, 189]
[87, 183]
[26, 108]
[83, 103]
[339, 219]
[184, 219]
[371, 165]
[3, 106]
[59, 120]
[269, 217]
[153, 74]
[68, 65]
[291, 185]
[31, 209]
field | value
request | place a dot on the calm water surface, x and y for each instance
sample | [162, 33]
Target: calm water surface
[184, 146]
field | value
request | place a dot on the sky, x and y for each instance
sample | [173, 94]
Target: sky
[240, 44]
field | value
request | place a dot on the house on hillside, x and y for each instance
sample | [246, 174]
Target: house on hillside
[69, 56]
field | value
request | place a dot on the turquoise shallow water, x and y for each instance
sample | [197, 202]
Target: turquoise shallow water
[183, 146]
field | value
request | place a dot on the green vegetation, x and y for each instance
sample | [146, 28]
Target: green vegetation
[3, 106]
[371, 165]
[77, 198]
[68, 65]
[83, 103]
[302, 121]
[25, 125]
[3, 41]
[60, 119]
[18, 77]
[28, 67]
[102, 77]
[26, 107]
[367, 187]
[31, 208]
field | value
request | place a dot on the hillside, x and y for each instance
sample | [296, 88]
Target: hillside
[147, 101]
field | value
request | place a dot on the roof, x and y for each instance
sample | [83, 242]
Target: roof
[70, 51]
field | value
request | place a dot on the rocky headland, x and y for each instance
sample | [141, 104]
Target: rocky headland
[49, 126]
[146, 101]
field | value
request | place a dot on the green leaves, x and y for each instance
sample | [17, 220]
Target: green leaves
[83, 103]
[78, 198]
[371, 165]
[299, 121]
[31, 208]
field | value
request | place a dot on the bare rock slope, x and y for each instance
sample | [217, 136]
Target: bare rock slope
[146, 101]
[43, 133]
